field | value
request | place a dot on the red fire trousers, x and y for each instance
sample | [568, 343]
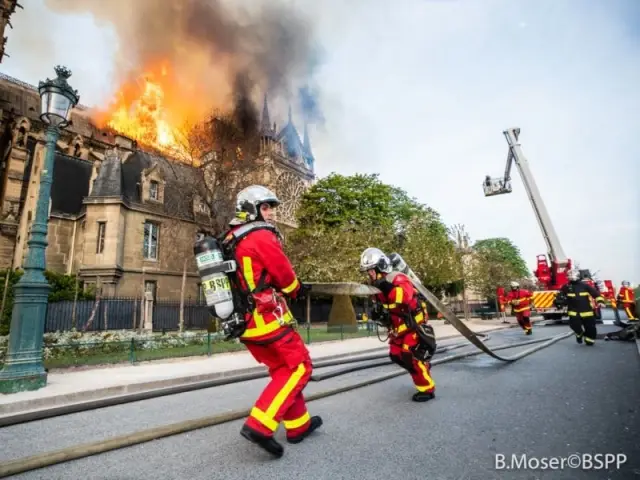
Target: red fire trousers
[524, 319]
[400, 353]
[289, 365]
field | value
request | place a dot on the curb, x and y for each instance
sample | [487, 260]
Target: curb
[117, 390]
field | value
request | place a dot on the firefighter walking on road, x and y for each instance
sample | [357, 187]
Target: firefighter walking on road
[398, 307]
[521, 300]
[264, 276]
[627, 299]
[582, 319]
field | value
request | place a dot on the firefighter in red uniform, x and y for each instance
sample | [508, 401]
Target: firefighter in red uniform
[521, 300]
[627, 298]
[398, 307]
[265, 275]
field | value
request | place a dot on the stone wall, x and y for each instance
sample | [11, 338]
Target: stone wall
[60, 239]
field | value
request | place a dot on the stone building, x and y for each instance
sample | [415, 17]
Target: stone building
[120, 215]
[7, 8]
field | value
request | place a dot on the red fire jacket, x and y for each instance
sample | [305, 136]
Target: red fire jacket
[520, 299]
[261, 252]
[626, 295]
[402, 299]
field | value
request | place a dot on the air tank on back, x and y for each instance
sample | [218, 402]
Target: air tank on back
[215, 282]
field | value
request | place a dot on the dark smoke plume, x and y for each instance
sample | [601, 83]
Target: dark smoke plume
[267, 48]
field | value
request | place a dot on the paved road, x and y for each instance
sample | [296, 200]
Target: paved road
[567, 398]
[33, 438]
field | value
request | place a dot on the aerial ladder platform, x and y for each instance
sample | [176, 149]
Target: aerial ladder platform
[551, 273]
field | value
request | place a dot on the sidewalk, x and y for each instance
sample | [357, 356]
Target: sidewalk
[76, 386]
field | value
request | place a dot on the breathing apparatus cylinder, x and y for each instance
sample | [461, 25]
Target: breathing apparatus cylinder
[399, 265]
[217, 288]
[215, 283]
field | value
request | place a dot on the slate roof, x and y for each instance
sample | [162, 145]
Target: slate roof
[123, 180]
[70, 185]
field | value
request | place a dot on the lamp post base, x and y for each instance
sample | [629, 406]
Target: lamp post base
[23, 369]
[22, 382]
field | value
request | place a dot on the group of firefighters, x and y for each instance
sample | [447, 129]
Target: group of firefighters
[267, 277]
[579, 296]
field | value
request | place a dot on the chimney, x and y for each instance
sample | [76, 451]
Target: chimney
[124, 142]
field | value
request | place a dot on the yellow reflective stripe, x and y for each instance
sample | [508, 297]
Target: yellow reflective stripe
[267, 418]
[418, 318]
[282, 395]
[582, 314]
[247, 270]
[584, 294]
[518, 310]
[426, 376]
[263, 328]
[264, 419]
[571, 294]
[389, 305]
[292, 287]
[399, 294]
[599, 299]
[298, 422]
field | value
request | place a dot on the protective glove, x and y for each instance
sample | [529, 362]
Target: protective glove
[304, 291]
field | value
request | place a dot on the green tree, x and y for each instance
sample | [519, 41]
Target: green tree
[361, 199]
[495, 262]
[341, 215]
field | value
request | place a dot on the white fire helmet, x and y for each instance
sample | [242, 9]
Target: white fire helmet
[374, 258]
[248, 203]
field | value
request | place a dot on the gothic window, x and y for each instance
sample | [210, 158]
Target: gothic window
[290, 189]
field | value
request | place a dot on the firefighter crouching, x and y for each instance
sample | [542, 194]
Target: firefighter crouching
[582, 318]
[521, 300]
[626, 298]
[264, 275]
[412, 341]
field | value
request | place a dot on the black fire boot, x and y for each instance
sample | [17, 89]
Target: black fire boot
[579, 338]
[423, 396]
[314, 423]
[269, 444]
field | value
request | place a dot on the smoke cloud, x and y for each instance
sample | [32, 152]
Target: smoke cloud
[224, 51]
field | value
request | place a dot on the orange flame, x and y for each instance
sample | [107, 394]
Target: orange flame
[155, 109]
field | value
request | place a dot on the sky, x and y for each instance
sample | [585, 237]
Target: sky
[420, 92]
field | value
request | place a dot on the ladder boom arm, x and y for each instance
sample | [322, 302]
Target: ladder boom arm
[556, 252]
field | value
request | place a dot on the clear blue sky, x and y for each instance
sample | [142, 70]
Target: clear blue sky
[420, 91]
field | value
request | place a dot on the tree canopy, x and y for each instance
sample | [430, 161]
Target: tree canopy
[341, 215]
[495, 262]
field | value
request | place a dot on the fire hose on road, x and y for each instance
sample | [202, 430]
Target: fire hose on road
[75, 452]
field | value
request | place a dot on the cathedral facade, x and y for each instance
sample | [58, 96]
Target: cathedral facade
[121, 217]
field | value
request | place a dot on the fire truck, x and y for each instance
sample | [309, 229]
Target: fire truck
[551, 269]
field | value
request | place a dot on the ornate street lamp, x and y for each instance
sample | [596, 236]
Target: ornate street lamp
[23, 369]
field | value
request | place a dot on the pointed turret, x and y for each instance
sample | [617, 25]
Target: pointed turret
[265, 123]
[306, 147]
[306, 142]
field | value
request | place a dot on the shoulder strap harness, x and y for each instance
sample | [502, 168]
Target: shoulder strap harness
[230, 243]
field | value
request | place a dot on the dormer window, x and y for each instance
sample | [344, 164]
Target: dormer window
[153, 190]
